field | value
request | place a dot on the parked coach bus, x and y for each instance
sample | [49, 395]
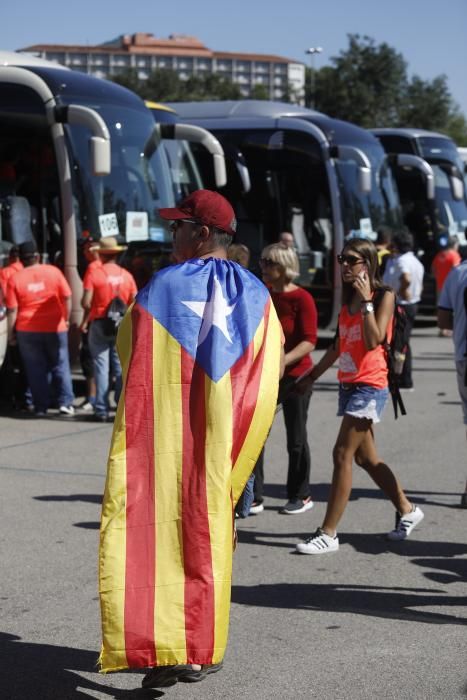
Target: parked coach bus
[78, 156]
[445, 213]
[290, 168]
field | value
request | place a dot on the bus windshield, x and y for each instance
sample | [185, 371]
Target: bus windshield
[126, 202]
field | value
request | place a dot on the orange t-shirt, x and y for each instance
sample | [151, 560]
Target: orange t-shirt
[39, 293]
[442, 264]
[106, 282]
[7, 272]
[357, 365]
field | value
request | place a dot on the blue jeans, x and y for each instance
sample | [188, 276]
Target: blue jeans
[44, 354]
[105, 359]
[246, 499]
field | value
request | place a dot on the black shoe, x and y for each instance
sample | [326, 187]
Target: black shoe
[463, 503]
[99, 418]
[161, 677]
[189, 675]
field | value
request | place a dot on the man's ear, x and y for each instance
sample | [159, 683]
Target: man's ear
[203, 233]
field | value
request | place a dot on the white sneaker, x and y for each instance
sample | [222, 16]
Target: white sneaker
[297, 506]
[318, 543]
[66, 410]
[406, 524]
[256, 508]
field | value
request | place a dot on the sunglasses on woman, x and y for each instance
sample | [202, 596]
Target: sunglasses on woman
[267, 262]
[349, 259]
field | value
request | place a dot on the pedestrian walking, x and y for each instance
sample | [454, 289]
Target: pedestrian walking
[39, 305]
[102, 284]
[363, 393]
[92, 260]
[404, 273]
[297, 313]
[452, 315]
[201, 349]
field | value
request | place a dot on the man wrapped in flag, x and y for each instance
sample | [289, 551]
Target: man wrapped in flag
[201, 353]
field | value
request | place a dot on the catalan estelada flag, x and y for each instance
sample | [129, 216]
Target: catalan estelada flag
[200, 352]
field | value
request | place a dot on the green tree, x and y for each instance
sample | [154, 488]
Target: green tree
[163, 85]
[456, 126]
[426, 105]
[365, 83]
[259, 92]
[128, 78]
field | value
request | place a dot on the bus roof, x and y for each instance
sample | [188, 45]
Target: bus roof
[409, 133]
[71, 85]
[240, 109]
[226, 113]
[13, 58]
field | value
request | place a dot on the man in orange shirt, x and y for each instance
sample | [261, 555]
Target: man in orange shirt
[445, 259]
[14, 265]
[87, 366]
[39, 303]
[102, 284]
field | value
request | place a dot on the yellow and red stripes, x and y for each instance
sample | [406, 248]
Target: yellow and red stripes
[167, 515]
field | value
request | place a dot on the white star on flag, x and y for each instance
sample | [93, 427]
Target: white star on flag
[213, 312]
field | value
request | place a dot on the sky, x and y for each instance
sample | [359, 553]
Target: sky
[431, 35]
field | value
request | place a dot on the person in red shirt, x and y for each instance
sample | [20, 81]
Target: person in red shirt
[92, 260]
[14, 265]
[363, 393]
[13, 382]
[297, 313]
[39, 302]
[102, 284]
[445, 259]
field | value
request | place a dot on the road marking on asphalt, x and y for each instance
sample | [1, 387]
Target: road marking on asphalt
[51, 471]
[50, 437]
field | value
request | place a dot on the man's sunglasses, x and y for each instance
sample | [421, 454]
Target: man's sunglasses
[267, 262]
[349, 259]
[175, 224]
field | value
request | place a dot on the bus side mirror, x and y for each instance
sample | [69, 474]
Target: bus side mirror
[347, 153]
[406, 160]
[364, 179]
[99, 143]
[457, 187]
[196, 134]
[100, 155]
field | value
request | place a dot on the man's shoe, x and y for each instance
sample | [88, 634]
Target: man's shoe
[406, 524]
[161, 677]
[189, 675]
[165, 676]
[256, 507]
[66, 411]
[85, 406]
[297, 505]
[318, 543]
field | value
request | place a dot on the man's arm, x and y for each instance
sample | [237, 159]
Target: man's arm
[404, 284]
[445, 319]
[12, 315]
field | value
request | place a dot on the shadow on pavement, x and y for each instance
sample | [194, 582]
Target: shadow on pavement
[46, 672]
[85, 497]
[371, 601]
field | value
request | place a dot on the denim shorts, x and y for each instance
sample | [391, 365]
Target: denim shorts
[362, 401]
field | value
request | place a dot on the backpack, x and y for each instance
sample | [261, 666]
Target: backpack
[396, 350]
[113, 316]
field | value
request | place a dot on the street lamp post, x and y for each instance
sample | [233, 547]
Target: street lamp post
[312, 51]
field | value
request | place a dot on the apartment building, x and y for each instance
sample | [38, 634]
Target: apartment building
[184, 54]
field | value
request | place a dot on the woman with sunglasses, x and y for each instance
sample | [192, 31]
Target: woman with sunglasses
[363, 393]
[297, 313]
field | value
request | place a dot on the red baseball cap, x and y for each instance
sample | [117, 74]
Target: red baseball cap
[207, 207]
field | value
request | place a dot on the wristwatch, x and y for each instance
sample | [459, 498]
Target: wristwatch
[367, 308]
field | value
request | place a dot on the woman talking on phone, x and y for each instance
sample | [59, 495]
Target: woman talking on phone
[363, 393]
